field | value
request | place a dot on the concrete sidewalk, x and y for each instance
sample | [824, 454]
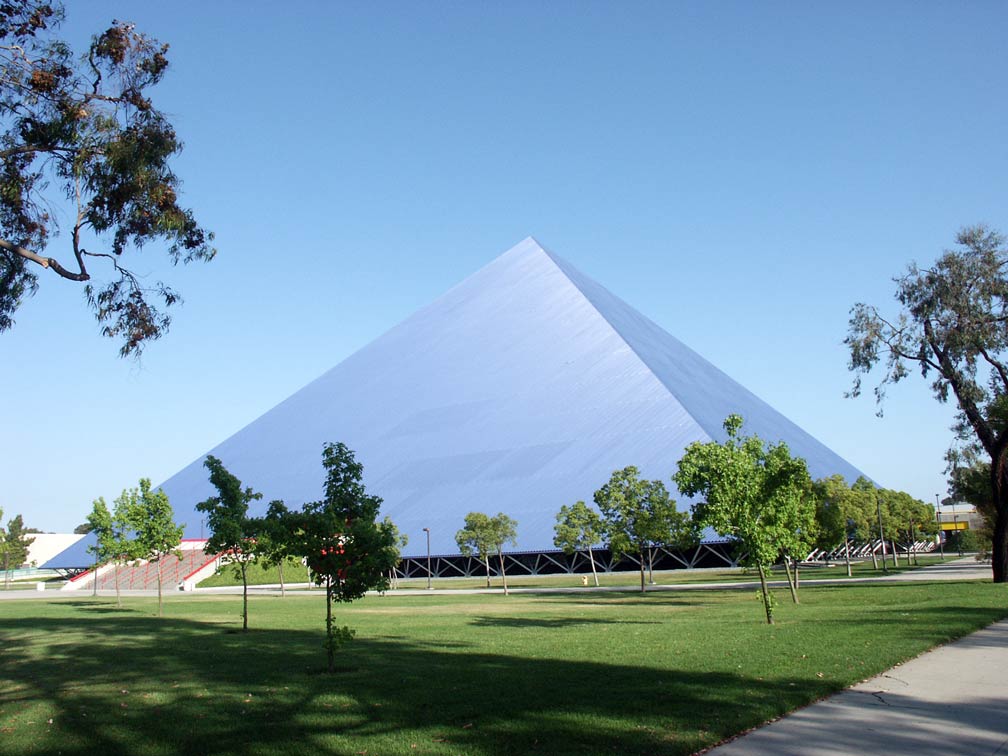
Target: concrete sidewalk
[952, 700]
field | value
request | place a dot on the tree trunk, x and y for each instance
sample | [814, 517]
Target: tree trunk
[330, 649]
[244, 567]
[118, 597]
[790, 581]
[846, 546]
[650, 564]
[895, 552]
[503, 576]
[874, 560]
[766, 595]
[486, 561]
[94, 589]
[999, 545]
[280, 570]
[159, 588]
[591, 558]
[640, 553]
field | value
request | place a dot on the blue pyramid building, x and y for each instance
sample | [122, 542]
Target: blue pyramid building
[521, 389]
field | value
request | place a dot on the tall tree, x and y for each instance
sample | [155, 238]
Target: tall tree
[637, 514]
[578, 526]
[952, 326]
[347, 549]
[753, 491]
[233, 532]
[83, 130]
[156, 534]
[484, 536]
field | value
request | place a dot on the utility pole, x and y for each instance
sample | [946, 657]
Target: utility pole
[881, 535]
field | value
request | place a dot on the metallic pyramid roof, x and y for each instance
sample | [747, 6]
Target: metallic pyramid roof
[519, 390]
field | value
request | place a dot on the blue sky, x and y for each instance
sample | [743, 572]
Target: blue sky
[741, 173]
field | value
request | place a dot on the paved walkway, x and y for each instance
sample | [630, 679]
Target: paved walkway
[953, 700]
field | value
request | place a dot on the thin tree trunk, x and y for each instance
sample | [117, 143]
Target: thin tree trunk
[640, 553]
[486, 561]
[790, 581]
[797, 577]
[874, 560]
[650, 563]
[118, 597]
[330, 650]
[591, 558]
[846, 545]
[503, 576]
[159, 588]
[766, 595]
[244, 567]
[280, 569]
[895, 552]
[94, 589]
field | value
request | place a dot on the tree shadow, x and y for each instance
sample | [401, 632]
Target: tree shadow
[552, 623]
[146, 686]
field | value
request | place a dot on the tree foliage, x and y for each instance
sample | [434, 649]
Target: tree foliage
[637, 515]
[14, 543]
[578, 527]
[84, 130]
[233, 532]
[952, 326]
[753, 491]
[156, 534]
[113, 533]
[484, 536]
[347, 549]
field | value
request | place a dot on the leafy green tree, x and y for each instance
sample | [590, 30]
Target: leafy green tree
[951, 327]
[82, 130]
[484, 535]
[346, 548]
[276, 543]
[14, 544]
[971, 482]
[753, 491]
[578, 527]
[843, 513]
[233, 532]
[637, 514]
[112, 530]
[398, 544]
[156, 535]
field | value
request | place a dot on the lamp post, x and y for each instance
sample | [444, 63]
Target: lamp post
[878, 508]
[427, 531]
[955, 520]
[941, 531]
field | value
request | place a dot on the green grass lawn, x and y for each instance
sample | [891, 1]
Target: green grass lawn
[625, 673]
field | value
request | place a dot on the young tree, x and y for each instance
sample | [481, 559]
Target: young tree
[753, 491]
[276, 543]
[578, 527]
[399, 543]
[15, 543]
[484, 535]
[155, 532]
[637, 514]
[952, 327]
[112, 530]
[347, 549]
[842, 513]
[82, 129]
[232, 530]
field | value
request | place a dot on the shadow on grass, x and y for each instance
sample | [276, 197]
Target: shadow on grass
[552, 623]
[143, 686]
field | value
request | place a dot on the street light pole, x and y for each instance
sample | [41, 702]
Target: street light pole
[427, 531]
[878, 508]
[941, 530]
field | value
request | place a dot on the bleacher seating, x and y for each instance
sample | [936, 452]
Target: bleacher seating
[143, 575]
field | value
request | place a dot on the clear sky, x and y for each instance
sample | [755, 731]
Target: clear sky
[741, 173]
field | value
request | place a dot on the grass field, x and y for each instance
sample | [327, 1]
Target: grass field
[662, 673]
